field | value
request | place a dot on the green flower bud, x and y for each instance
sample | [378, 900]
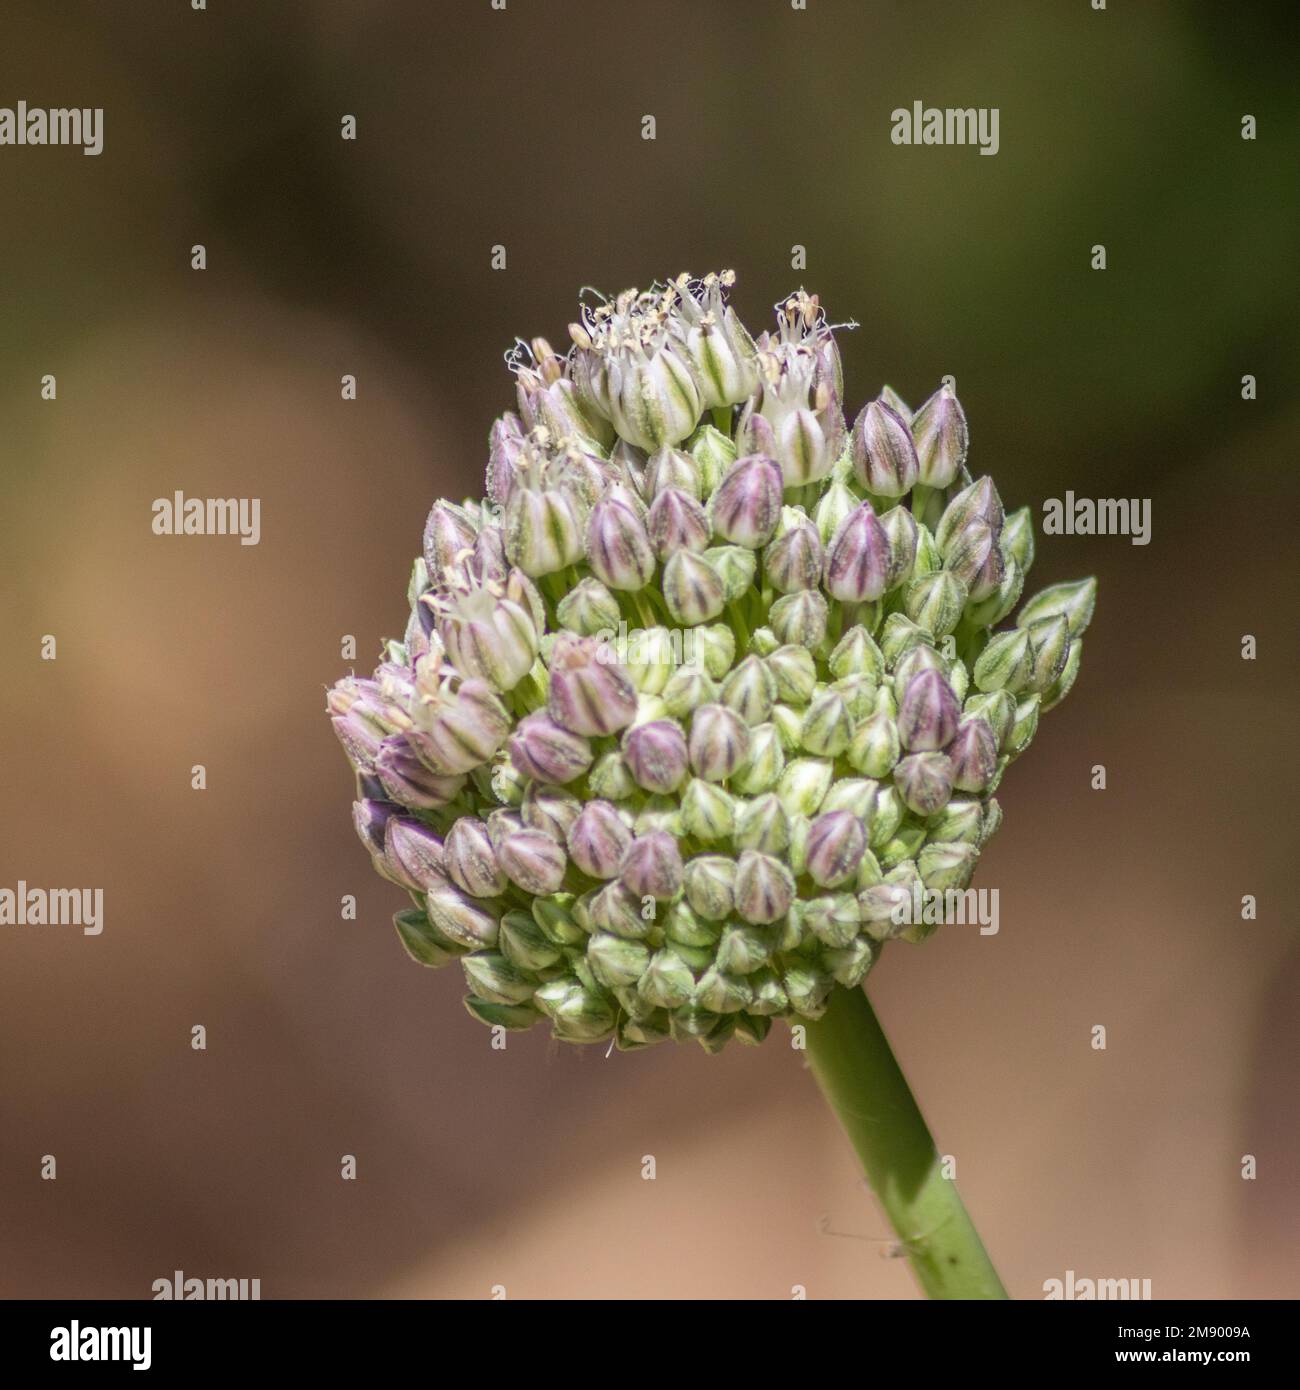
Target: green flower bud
[763, 824]
[424, 943]
[856, 794]
[789, 725]
[650, 662]
[494, 978]
[744, 949]
[869, 871]
[900, 526]
[616, 962]
[856, 654]
[875, 746]
[800, 618]
[694, 934]
[1018, 538]
[588, 609]
[671, 469]
[764, 887]
[924, 781]
[828, 725]
[715, 649]
[808, 988]
[886, 816]
[992, 819]
[708, 812]
[610, 778]
[945, 866]
[710, 882]
[987, 611]
[833, 920]
[714, 454]
[578, 1014]
[902, 848]
[960, 822]
[515, 1017]
[935, 601]
[693, 589]
[997, 708]
[736, 565]
[836, 505]
[556, 918]
[804, 785]
[858, 694]
[524, 944]
[720, 993]
[750, 690]
[979, 501]
[795, 673]
[762, 769]
[850, 964]
[688, 688]
[763, 642]
[1075, 602]
[769, 996]
[1049, 646]
[1025, 727]
[1006, 663]
[901, 634]
[1060, 688]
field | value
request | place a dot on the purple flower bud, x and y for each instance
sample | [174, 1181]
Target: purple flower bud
[794, 560]
[448, 534]
[550, 809]
[857, 560]
[589, 693]
[618, 549]
[884, 457]
[656, 754]
[543, 528]
[836, 844]
[979, 501]
[461, 727]
[975, 557]
[487, 634]
[900, 527]
[408, 782]
[693, 589]
[747, 505]
[764, 887]
[924, 781]
[652, 866]
[360, 738]
[471, 860]
[506, 447]
[598, 839]
[710, 881]
[677, 522]
[973, 754]
[939, 429]
[532, 861]
[541, 748]
[928, 714]
[719, 742]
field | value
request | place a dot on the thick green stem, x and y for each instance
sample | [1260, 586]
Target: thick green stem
[859, 1076]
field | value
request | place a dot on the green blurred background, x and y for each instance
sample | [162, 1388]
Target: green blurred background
[522, 128]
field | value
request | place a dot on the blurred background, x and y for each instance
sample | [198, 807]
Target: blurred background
[522, 127]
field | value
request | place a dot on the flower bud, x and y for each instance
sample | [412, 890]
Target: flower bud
[742, 950]
[487, 635]
[688, 688]
[577, 1014]
[708, 812]
[447, 534]
[935, 601]
[471, 862]
[939, 429]
[763, 766]
[988, 611]
[750, 690]
[794, 559]
[652, 866]
[875, 746]
[656, 755]
[653, 397]
[857, 559]
[746, 507]
[588, 608]
[676, 521]
[973, 754]
[460, 727]
[884, 457]
[975, 558]
[714, 453]
[1018, 537]
[836, 506]
[709, 881]
[650, 659]
[834, 920]
[947, 866]
[1005, 663]
[719, 742]
[667, 982]
[692, 588]
[532, 861]
[997, 708]
[1060, 688]
[615, 908]
[978, 502]
[458, 916]
[794, 672]
[901, 529]
[827, 725]
[541, 748]
[543, 529]
[618, 548]
[506, 447]
[804, 784]
[888, 396]
[857, 654]
[524, 944]
[808, 988]
[413, 855]
[960, 822]
[1049, 646]
[720, 993]
[671, 470]
[924, 781]
[789, 727]
[1025, 727]
[712, 339]
[610, 778]
[1074, 602]
[928, 713]
[836, 843]
[598, 839]
[736, 565]
[800, 619]
[763, 824]
[589, 692]
[850, 964]
[764, 887]
[615, 962]
[910, 665]
[407, 781]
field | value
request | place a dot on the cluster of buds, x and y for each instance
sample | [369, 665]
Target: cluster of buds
[706, 686]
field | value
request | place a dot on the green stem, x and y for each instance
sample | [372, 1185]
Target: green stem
[861, 1080]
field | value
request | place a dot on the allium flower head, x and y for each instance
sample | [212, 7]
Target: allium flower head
[705, 687]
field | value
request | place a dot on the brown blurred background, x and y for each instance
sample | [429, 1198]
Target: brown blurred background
[475, 127]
